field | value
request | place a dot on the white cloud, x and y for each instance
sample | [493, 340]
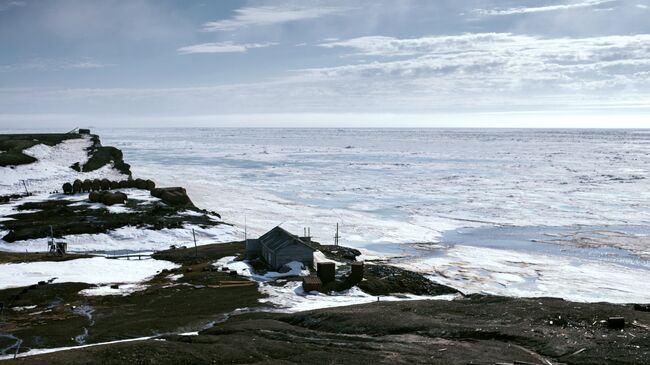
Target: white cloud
[49, 64]
[12, 4]
[485, 63]
[269, 15]
[642, 6]
[222, 47]
[540, 9]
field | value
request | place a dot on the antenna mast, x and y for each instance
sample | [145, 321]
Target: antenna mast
[336, 236]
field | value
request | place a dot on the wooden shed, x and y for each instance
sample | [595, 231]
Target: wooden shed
[278, 247]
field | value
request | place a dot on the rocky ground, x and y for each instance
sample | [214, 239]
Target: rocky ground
[474, 330]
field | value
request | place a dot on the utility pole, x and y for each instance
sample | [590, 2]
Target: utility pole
[336, 237]
[196, 250]
[25, 186]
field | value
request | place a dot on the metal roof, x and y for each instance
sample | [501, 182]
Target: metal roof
[279, 237]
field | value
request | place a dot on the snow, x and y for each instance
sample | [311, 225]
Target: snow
[244, 269]
[96, 270]
[474, 269]
[292, 298]
[132, 239]
[122, 290]
[52, 168]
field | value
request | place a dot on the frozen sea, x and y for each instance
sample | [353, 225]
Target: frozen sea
[514, 212]
[560, 213]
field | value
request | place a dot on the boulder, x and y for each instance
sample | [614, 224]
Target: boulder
[67, 188]
[97, 185]
[110, 198]
[76, 186]
[123, 184]
[115, 185]
[106, 184]
[107, 197]
[95, 196]
[140, 184]
[150, 185]
[87, 186]
[176, 196]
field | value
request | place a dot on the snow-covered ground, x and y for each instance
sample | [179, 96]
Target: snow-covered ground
[388, 189]
[292, 298]
[244, 269]
[52, 169]
[95, 270]
[131, 239]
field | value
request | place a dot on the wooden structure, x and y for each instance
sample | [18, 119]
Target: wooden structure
[311, 283]
[278, 247]
[356, 272]
[326, 271]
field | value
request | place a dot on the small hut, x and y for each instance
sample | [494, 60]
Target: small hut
[278, 247]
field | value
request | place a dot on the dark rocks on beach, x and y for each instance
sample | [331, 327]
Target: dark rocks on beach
[140, 184]
[115, 185]
[176, 196]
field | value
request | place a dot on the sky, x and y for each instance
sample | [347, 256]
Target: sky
[302, 63]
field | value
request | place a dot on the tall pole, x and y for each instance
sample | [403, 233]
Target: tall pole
[336, 237]
[25, 186]
[196, 250]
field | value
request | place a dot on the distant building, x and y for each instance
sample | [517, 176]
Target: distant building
[84, 131]
[278, 247]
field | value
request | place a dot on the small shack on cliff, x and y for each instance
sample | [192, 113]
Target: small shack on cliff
[278, 247]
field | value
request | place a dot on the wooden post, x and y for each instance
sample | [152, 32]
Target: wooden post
[25, 186]
[336, 237]
[196, 250]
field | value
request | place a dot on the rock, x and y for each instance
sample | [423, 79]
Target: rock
[107, 197]
[67, 188]
[642, 307]
[106, 184]
[140, 184]
[123, 184]
[110, 198]
[97, 185]
[76, 186]
[616, 322]
[95, 196]
[150, 185]
[115, 185]
[87, 185]
[115, 286]
[176, 196]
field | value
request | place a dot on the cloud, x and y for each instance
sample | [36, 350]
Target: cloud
[222, 47]
[642, 6]
[502, 63]
[540, 9]
[12, 4]
[50, 64]
[269, 15]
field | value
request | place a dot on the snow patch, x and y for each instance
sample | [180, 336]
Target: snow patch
[96, 270]
[292, 298]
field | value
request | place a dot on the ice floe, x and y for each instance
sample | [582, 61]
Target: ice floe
[122, 290]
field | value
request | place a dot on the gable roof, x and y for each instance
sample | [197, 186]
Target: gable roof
[278, 238]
